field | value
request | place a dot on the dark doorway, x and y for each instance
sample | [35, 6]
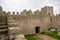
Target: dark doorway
[37, 30]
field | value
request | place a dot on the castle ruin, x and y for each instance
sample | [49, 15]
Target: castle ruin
[34, 22]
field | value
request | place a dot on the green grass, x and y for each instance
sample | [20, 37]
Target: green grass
[52, 34]
[31, 37]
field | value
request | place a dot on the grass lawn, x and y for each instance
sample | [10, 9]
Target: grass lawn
[52, 34]
[31, 37]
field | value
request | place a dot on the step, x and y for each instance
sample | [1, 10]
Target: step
[3, 30]
[3, 27]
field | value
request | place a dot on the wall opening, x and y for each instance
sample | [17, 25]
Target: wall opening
[48, 13]
[37, 29]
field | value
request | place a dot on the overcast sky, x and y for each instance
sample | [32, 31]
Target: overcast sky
[20, 5]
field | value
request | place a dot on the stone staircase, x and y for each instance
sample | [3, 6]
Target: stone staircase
[3, 32]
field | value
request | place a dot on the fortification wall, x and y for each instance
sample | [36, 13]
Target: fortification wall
[28, 19]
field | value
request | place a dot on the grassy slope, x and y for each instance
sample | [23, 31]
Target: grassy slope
[31, 37]
[52, 34]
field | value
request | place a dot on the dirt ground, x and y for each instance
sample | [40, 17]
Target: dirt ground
[44, 37]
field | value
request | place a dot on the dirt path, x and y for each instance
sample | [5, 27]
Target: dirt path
[44, 37]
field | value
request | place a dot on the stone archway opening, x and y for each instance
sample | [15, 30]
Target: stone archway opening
[37, 29]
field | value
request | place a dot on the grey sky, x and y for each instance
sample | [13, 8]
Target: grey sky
[20, 5]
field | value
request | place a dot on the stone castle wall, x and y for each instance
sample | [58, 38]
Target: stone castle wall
[31, 20]
[27, 21]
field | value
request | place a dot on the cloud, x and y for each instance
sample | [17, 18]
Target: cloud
[19, 5]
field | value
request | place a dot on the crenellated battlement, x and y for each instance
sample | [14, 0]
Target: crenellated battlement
[29, 12]
[0, 8]
[37, 12]
[58, 15]
[24, 12]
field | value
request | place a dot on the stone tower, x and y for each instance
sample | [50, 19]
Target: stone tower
[47, 10]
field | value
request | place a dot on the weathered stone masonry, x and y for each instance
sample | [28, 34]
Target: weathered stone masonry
[34, 22]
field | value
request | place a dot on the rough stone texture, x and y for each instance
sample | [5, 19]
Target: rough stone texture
[58, 34]
[27, 21]
[13, 29]
[31, 20]
[20, 37]
[3, 26]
